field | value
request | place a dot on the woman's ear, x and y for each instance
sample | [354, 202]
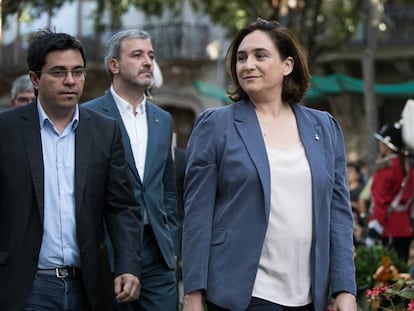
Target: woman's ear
[288, 64]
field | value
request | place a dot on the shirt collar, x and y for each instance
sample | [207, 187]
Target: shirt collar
[125, 106]
[43, 117]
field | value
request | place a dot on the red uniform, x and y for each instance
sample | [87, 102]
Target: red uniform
[385, 187]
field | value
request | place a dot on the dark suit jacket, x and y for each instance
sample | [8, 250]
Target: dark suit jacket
[227, 205]
[157, 190]
[102, 192]
[179, 163]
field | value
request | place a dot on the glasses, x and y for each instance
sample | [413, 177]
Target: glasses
[271, 23]
[76, 73]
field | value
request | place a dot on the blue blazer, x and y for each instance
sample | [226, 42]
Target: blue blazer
[227, 203]
[157, 190]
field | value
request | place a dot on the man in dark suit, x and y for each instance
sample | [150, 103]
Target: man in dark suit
[62, 174]
[147, 134]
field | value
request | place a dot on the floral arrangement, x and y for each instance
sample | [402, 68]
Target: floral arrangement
[380, 284]
[398, 296]
[367, 261]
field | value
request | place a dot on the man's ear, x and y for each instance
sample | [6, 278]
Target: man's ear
[34, 78]
[113, 66]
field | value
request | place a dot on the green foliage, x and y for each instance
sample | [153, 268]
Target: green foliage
[398, 296]
[407, 293]
[49, 6]
[117, 8]
[367, 261]
[37, 7]
[12, 7]
[233, 15]
[321, 25]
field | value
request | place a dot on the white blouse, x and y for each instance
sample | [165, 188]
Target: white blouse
[284, 272]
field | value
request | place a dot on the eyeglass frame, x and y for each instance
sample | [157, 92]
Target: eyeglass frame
[77, 73]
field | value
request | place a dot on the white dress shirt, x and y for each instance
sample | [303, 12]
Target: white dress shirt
[136, 125]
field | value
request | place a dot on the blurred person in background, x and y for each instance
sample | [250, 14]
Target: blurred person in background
[355, 187]
[354, 183]
[392, 193]
[22, 91]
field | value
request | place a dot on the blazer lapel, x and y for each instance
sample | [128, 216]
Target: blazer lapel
[313, 141]
[249, 130]
[153, 138]
[32, 140]
[83, 152]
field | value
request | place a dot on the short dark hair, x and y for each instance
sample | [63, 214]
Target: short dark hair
[296, 83]
[355, 166]
[46, 41]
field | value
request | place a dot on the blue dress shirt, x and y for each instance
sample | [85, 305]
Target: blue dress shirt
[59, 243]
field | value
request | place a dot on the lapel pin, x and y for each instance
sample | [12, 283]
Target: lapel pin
[156, 120]
[316, 137]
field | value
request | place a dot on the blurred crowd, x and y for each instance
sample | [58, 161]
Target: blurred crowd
[382, 202]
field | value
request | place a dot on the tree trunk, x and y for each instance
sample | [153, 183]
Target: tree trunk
[49, 18]
[368, 72]
[79, 20]
[17, 44]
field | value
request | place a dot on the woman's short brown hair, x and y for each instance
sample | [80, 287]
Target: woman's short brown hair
[296, 83]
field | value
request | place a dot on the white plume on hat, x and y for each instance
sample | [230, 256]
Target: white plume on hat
[407, 120]
[158, 80]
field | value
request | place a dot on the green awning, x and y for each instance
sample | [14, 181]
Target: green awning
[209, 90]
[322, 87]
[340, 83]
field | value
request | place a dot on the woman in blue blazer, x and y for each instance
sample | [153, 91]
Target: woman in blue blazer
[268, 222]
